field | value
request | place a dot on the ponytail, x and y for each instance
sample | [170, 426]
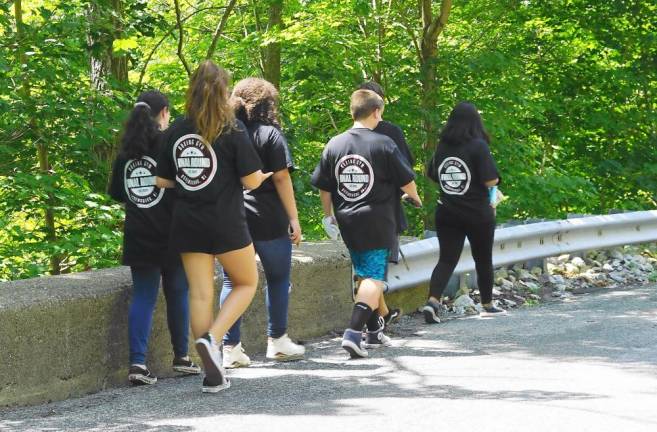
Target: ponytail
[141, 131]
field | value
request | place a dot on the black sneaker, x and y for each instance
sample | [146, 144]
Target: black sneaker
[393, 316]
[215, 376]
[430, 312]
[491, 311]
[186, 365]
[138, 375]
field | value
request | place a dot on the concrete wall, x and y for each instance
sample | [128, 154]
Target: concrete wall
[66, 336]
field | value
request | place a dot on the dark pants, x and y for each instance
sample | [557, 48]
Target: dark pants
[452, 228]
[276, 258]
[146, 285]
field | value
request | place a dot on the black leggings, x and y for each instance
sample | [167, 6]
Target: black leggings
[452, 228]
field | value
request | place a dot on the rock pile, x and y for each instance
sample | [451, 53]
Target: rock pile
[564, 276]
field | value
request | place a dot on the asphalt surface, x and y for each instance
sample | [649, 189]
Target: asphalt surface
[585, 364]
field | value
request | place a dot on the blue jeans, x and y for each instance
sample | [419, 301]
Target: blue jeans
[146, 284]
[276, 258]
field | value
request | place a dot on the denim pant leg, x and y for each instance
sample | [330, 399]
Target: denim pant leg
[276, 258]
[233, 335]
[176, 292]
[146, 284]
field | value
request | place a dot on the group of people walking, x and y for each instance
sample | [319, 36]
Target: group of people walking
[216, 184]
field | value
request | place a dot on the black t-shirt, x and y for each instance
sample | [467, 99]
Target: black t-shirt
[397, 135]
[363, 171]
[147, 211]
[207, 178]
[461, 171]
[265, 213]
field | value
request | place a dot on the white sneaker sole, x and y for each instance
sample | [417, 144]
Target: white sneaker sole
[354, 350]
[138, 378]
[376, 345]
[286, 357]
[216, 389]
[237, 364]
[485, 314]
[187, 370]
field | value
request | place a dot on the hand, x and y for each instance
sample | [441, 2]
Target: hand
[295, 232]
[331, 227]
[412, 201]
[266, 175]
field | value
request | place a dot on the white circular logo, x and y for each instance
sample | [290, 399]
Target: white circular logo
[454, 176]
[196, 162]
[139, 182]
[355, 177]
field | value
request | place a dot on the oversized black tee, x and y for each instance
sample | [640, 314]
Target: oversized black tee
[265, 213]
[148, 211]
[209, 216]
[363, 170]
[461, 170]
[397, 135]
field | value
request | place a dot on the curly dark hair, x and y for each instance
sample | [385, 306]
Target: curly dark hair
[255, 100]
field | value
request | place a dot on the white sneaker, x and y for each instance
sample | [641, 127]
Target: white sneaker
[235, 357]
[283, 349]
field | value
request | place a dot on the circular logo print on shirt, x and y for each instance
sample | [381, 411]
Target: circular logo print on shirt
[454, 176]
[196, 162]
[139, 181]
[355, 177]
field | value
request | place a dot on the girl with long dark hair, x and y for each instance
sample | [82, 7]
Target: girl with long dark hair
[466, 174]
[145, 241]
[271, 212]
[209, 159]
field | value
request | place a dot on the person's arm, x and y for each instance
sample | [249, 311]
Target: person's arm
[255, 179]
[327, 204]
[410, 193]
[283, 184]
[163, 183]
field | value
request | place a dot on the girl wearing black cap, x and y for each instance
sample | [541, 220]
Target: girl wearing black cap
[146, 230]
[209, 158]
[466, 173]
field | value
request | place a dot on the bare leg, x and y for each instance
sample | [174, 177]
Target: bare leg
[383, 307]
[370, 292]
[241, 267]
[199, 268]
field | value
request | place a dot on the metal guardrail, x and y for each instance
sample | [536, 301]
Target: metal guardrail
[526, 242]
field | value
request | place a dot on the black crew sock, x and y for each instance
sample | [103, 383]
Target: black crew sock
[359, 316]
[374, 323]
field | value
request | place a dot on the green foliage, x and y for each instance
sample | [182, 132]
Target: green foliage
[566, 89]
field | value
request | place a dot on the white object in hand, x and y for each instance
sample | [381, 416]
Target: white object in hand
[331, 227]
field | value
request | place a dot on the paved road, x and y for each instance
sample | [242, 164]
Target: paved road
[588, 364]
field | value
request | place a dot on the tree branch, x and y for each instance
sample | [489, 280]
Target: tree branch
[180, 38]
[220, 28]
[438, 23]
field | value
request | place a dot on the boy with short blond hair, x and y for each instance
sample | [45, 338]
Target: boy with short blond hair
[358, 176]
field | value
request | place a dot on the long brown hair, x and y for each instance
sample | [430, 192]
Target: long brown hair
[207, 101]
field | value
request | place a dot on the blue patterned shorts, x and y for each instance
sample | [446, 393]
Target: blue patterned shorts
[370, 264]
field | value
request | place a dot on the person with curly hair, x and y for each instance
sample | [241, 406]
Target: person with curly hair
[273, 221]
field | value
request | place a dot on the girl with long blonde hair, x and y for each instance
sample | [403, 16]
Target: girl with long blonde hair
[209, 158]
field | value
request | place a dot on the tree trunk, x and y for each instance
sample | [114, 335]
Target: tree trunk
[35, 137]
[103, 62]
[272, 52]
[432, 27]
